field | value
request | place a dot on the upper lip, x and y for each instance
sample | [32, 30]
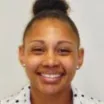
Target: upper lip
[51, 71]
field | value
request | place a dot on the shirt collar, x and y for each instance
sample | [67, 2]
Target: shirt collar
[24, 96]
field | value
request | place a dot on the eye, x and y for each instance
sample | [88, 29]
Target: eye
[37, 50]
[63, 51]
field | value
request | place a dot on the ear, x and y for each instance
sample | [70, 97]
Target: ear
[80, 57]
[21, 54]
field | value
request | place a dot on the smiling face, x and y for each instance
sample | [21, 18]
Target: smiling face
[51, 55]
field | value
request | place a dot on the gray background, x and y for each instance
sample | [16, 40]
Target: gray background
[89, 18]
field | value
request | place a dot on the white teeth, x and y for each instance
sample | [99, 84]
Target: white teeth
[51, 75]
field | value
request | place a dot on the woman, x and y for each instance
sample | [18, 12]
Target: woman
[51, 55]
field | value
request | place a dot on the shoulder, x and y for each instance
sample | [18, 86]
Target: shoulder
[80, 98]
[19, 98]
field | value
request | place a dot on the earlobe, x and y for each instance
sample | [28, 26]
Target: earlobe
[80, 57]
[21, 54]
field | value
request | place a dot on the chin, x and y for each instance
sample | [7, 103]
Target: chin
[50, 90]
[53, 89]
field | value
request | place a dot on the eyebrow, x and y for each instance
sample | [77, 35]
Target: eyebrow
[39, 41]
[65, 41]
[59, 42]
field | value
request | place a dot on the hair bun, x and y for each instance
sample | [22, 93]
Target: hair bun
[41, 5]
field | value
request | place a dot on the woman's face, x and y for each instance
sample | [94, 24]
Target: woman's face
[51, 55]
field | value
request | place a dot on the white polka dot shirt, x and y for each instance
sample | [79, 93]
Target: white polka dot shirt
[23, 97]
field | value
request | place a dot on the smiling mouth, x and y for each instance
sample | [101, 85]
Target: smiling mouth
[51, 77]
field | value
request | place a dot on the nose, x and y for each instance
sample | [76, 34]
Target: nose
[50, 60]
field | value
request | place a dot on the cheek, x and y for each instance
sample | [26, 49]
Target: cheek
[69, 63]
[32, 63]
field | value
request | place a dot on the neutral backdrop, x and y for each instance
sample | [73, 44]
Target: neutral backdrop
[89, 18]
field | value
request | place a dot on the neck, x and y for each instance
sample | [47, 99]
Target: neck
[64, 97]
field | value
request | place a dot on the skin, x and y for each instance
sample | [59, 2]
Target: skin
[51, 46]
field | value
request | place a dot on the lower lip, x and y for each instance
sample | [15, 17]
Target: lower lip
[50, 80]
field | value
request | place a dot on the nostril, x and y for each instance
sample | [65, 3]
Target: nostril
[51, 62]
[51, 67]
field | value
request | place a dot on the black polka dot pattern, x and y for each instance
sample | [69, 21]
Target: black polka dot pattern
[17, 101]
[75, 95]
[8, 100]
[82, 95]
[23, 97]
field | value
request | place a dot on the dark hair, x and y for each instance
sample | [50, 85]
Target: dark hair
[51, 9]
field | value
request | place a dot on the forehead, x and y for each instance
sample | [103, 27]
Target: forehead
[50, 29]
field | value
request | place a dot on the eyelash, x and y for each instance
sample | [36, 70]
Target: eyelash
[38, 50]
[64, 51]
[60, 51]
